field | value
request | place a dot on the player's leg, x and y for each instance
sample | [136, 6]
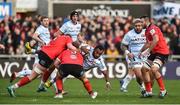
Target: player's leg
[146, 78]
[88, 87]
[41, 85]
[38, 69]
[25, 80]
[59, 85]
[125, 82]
[45, 76]
[139, 78]
[79, 73]
[152, 78]
[62, 72]
[52, 79]
[47, 73]
[22, 73]
[157, 63]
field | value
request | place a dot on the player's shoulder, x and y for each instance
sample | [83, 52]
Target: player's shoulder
[153, 26]
[129, 33]
[67, 23]
[39, 27]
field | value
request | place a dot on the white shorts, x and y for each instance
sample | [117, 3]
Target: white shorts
[136, 63]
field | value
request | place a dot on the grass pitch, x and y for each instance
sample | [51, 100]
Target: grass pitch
[78, 95]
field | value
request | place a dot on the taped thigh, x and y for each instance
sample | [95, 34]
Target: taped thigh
[37, 70]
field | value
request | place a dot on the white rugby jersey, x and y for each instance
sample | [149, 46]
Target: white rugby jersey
[43, 34]
[90, 62]
[71, 29]
[135, 41]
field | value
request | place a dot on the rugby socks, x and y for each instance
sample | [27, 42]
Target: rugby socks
[126, 80]
[23, 73]
[161, 84]
[59, 85]
[23, 81]
[41, 85]
[142, 87]
[88, 86]
[148, 86]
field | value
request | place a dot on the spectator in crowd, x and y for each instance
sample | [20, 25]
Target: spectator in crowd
[15, 31]
[112, 52]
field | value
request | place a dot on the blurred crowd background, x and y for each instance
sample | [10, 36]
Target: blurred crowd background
[16, 31]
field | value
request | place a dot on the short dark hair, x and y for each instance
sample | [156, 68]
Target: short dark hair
[100, 47]
[43, 17]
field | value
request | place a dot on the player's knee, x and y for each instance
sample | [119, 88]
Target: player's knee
[154, 69]
[144, 70]
[84, 79]
[33, 75]
[37, 70]
[146, 66]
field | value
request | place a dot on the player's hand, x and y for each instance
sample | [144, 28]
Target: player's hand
[130, 55]
[108, 86]
[145, 53]
[43, 43]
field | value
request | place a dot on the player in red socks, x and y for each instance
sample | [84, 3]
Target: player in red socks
[71, 63]
[46, 56]
[159, 52]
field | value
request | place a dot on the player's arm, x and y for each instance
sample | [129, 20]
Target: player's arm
[125, 49]
[57, 33]
[154, 42]
[151, 45]
[71, 47]
[124, 46]
[146, 45]
[61, 31]
[36, 38]
[104, 70]
[83, 47]
[106, 77]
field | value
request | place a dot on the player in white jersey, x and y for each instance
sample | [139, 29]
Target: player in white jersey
[72, 27]
[42, 37]
[132, 43]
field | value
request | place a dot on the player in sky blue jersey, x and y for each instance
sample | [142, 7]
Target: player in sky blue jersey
[71, 27]
[42, 37]
[132, 43]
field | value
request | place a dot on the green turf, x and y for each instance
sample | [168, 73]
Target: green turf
[78, 95]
